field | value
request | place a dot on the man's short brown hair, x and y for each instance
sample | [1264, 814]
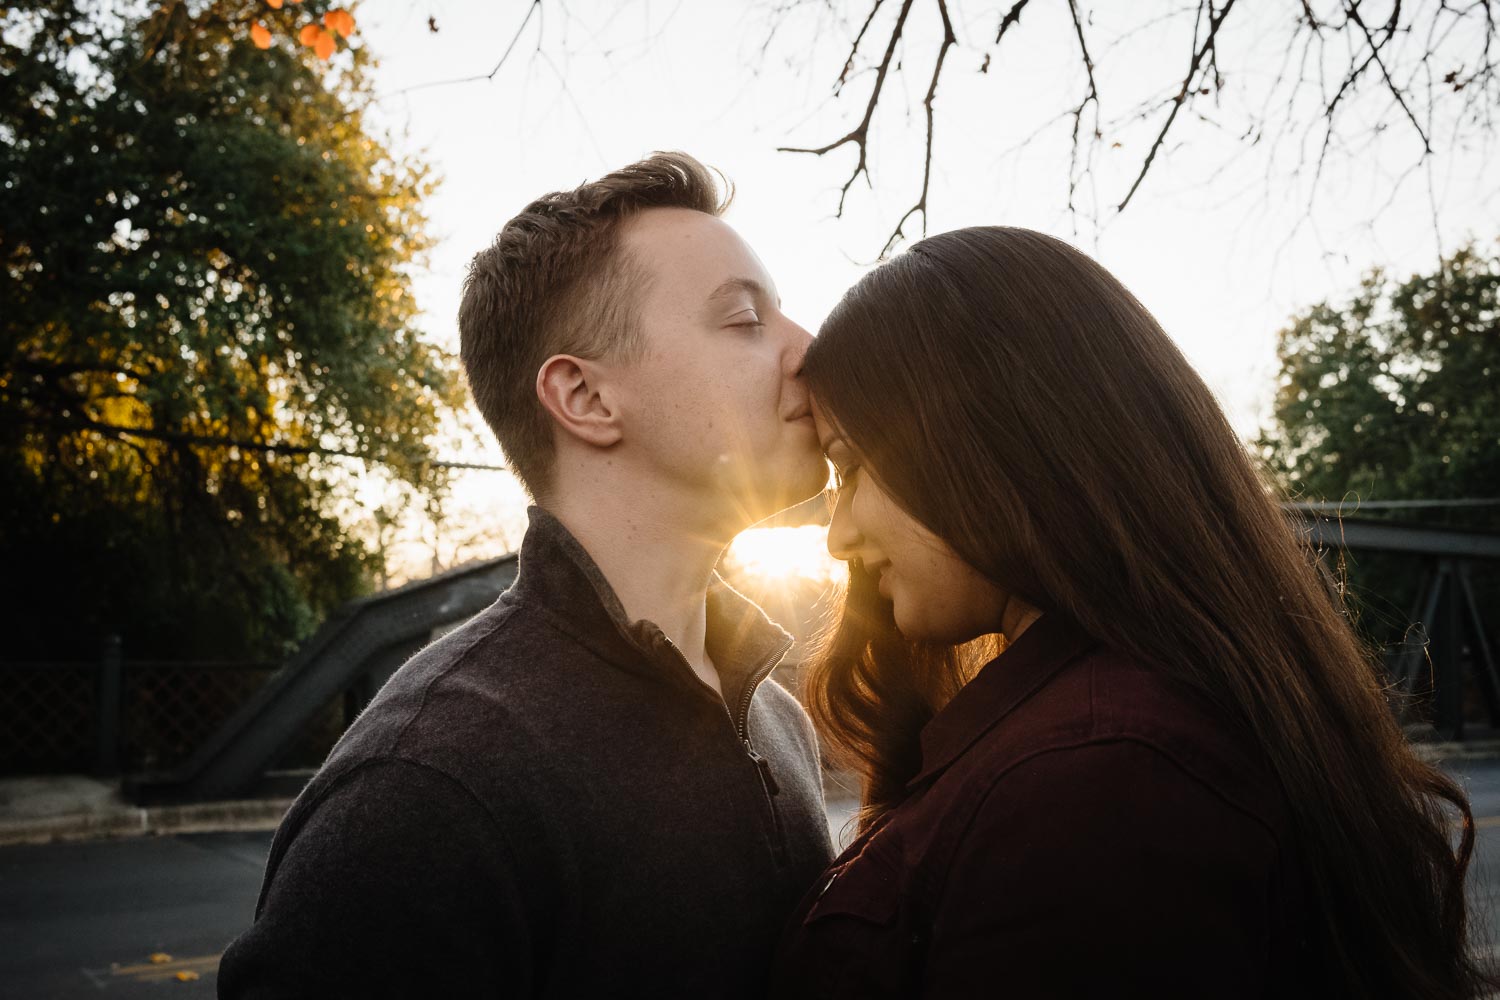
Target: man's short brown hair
[555, 281]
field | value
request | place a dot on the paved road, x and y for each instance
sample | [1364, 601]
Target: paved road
[1481, 779]
[80, 919]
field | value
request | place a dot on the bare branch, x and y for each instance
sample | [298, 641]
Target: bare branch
[1083, 48]
[854, 49]
[1312, 19]
[1352, 9]
[534, 8]
[1215, 19]
[937, 71]
[1012, 17]
[1330, 115]
[1091, 97]
[861, 133]
[1321, 103]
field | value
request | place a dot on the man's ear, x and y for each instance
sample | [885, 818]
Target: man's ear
[572, 391]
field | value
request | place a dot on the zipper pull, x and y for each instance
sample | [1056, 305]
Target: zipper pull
[765, 770]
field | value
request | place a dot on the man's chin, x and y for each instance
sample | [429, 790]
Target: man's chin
[770, 498]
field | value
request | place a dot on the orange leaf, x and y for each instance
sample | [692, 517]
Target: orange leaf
[186, 976]
[346, 22]
[260, 36]
[330, 19]
[160, 958]
[274, 4]
[309, 34]
[324, 47]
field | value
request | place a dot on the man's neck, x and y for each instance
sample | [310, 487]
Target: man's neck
[659, 566]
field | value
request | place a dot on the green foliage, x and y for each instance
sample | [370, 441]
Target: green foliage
[1395, 395]
[205, 253]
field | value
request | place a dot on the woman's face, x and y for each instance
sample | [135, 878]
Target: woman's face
[935, 595]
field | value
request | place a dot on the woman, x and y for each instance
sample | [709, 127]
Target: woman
[1180, 777]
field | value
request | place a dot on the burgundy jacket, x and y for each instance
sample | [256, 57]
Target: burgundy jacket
[1081, 827]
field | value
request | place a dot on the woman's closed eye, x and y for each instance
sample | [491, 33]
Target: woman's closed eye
[843, 476]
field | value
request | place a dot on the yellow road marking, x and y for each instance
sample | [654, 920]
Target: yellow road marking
[149, 972]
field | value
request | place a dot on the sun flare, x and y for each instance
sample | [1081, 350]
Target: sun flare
[784, 554]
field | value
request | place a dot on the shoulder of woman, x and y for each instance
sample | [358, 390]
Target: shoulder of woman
[1118, 796]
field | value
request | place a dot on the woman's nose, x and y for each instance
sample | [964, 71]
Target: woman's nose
[844, 538]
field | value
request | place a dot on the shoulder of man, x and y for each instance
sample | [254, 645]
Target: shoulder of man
[777, 716]
[387, 878]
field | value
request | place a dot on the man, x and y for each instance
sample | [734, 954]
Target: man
[587, 790]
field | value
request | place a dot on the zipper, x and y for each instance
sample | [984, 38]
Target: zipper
[740, 721]
[768, 786]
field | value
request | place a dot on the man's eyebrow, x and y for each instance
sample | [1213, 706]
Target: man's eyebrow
[733, 285]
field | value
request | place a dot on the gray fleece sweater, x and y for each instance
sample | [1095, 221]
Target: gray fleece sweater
[546, 802]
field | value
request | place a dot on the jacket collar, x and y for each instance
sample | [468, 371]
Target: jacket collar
[1025, 666]
[557, 574]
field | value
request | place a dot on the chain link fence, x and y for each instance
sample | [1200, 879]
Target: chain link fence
[117, 715]
[169, 709]
[49, 717]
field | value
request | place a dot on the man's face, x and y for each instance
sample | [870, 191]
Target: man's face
[714, 407]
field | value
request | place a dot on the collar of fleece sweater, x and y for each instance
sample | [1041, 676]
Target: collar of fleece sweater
[557, 576]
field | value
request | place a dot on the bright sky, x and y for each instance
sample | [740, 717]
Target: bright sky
[1220, 264]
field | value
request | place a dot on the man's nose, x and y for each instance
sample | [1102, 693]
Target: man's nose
[798, 341]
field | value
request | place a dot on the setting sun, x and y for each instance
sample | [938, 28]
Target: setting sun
[784, 554]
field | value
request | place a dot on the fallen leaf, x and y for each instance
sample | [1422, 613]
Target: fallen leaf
[260, 36]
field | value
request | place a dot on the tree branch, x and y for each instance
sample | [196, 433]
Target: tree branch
[861, 133]
[1351, 7]
[534, 8]
[838, 85]
[1214, 22]
[1091, 97]
[269, 447]
[937, 71]
[1011, 18]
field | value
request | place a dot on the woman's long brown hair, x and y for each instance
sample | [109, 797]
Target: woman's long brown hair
[1018, 401]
